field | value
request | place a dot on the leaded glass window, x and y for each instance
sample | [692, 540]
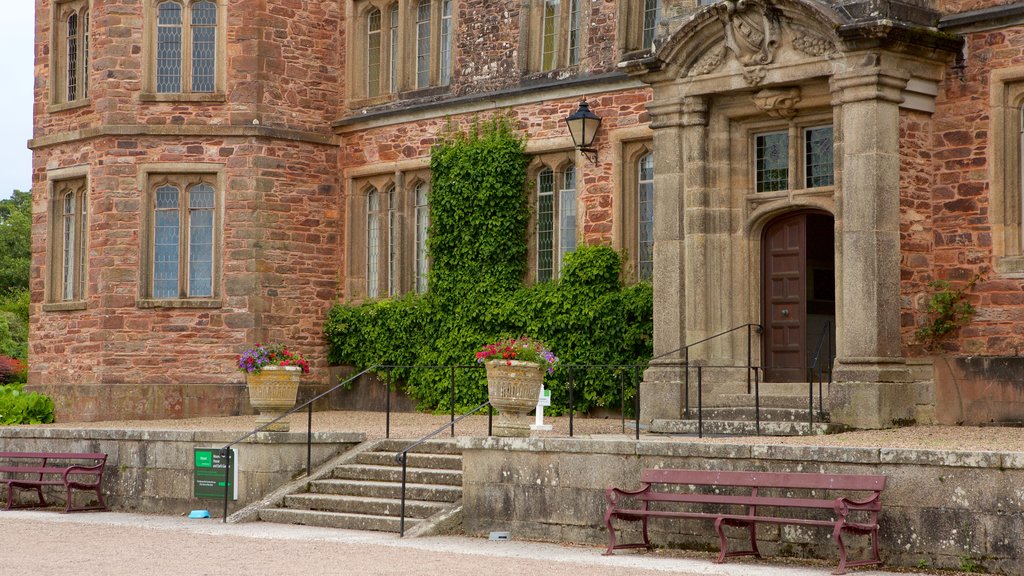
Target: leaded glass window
[85, 54]
[422, 225]
[423, 44]
[645, 217]
[72, 57]
[373, 52]
[393, 240]
[204, 46]
[652, 13]
[574, 32]
[567, 215]
[168, 47]
[818, 157]
[166, 239]
[372, 243]
[550, 35]
[545, 224]
[200, 243]
[771, 153]
[446, 42]
[70, 232]
[393, 47]
[69, 241]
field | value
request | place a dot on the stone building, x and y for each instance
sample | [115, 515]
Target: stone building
[211, 173]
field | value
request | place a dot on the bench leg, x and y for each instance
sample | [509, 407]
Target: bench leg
[611, 535]
[723, 542]
[10, 494]
[837, 535]
[68, 506]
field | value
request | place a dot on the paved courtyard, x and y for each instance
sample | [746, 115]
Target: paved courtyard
[44, 543]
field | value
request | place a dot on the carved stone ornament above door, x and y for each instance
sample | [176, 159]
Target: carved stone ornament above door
[752, 34]
[778, 102]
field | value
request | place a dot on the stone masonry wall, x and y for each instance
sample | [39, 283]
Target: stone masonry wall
[939, 507]
[956, 234]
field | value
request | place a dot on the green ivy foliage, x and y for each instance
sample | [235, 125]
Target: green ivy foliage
[477, 242]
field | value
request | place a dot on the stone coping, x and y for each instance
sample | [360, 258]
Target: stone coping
[836, 454]
[221, 437]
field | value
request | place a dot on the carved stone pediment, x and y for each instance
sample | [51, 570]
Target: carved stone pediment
[751, 31]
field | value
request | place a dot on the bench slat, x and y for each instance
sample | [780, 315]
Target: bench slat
[729, 500]
[794, 480]
[55, 455]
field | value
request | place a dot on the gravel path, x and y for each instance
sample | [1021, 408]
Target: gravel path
[118, 544]
[415, 425]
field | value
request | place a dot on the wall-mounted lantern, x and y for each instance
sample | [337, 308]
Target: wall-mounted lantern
[583, 125]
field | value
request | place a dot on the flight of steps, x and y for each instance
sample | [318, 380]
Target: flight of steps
[784, 412]
[365, 494]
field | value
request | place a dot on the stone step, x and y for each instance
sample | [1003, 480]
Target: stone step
[363, 505]
[394, 474]
[436, 446]
[335, 519]
[798, 402]
[430, 492]
[742, 428]
[416, 460]
[749, 414]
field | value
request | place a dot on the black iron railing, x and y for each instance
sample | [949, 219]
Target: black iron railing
[225, 451]
[402, 457]
[818, 366]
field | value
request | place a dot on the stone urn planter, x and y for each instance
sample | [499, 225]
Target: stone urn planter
[273, 392]
[513, 387]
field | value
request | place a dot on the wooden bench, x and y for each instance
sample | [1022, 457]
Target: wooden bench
[745, 499]
[72, 470]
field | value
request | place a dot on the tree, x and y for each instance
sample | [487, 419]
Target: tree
[15, 241]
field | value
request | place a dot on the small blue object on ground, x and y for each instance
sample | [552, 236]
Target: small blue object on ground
[199, 514]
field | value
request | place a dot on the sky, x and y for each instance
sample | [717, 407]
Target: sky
[17, 29]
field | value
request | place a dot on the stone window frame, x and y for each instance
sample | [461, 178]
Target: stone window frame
[183, 175]
[149, 79]
[398, 63]
[557, 162]
[397, 225]
[60, 183]
[629, 201]
[633, 24]
[533, 33]
[60, 74]
[1006, 173]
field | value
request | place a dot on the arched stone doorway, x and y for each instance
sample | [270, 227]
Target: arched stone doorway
[798, 292]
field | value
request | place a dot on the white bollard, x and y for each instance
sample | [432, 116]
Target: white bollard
[543, 400]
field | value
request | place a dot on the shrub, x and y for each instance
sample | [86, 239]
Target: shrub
[20, 407]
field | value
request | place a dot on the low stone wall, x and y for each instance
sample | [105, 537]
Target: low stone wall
[150, 471]
[979, 390]
[943, 508]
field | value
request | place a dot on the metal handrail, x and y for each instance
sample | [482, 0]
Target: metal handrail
[451, 403]
[225, 451]
[815, 368]
[751, 328]
[700, 395]
[402, 457]
[622, 394]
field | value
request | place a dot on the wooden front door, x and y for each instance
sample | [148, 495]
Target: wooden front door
[784, 299]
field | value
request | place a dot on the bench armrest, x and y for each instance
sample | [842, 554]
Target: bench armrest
[612, 494]
[96, 470]
[844, 505]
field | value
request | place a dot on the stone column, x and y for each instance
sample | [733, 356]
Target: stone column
[680, 155]
[870, 374]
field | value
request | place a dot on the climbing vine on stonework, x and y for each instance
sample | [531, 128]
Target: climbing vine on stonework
[477, 241]
[948, 310]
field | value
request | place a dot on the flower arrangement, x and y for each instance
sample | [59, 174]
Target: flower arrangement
[524, 349]
[253, 360]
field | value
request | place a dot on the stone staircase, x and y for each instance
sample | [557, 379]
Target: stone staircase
[365, 493]
[784, 412]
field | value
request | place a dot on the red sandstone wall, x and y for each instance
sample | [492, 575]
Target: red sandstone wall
[957, 231]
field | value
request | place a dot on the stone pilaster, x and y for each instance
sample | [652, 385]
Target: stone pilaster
[871, 373]
[680, 132]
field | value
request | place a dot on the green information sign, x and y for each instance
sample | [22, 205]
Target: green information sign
[208, 474]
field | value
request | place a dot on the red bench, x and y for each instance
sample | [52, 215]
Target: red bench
[72, 470]
[745, 499]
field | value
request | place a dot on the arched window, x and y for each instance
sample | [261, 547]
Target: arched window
[72, 57]
[556, 220]
[186, 47]
[372, 243]
[66, 282]
[184, 238]
[392, 234]
[393, 48]
[373, 52]
[422, 225]
[645, 217]
[200, 243]
[423, 44]
[652, 13]
[70, 62]
[165, 244]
